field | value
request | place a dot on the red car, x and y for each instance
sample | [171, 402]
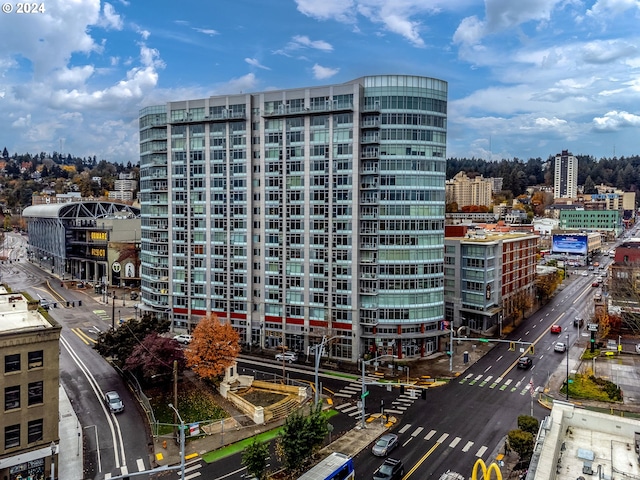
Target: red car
[556, 329]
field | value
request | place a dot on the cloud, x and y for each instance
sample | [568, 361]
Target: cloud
[614, 120]
[246, 83]
[502, 15]
[255, 63]
[602, 52]
[611, 8]
[110, 19]
[395, 17]
[206, 31]
[320, 72]
[302, 41]
[340, 10]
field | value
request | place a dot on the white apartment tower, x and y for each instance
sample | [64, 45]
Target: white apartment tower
[565, 176]
[297, 214]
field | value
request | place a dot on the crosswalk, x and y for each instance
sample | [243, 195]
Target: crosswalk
[522, 386]
[398, 406]
[410, 433]
[191, 470]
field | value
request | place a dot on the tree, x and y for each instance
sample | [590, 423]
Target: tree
[300, 438]
[521, 303]
[547, 284]
[119, 344]
[522, 443]
[527, 423]
[255, 457]
[214, 347]
[155, 356]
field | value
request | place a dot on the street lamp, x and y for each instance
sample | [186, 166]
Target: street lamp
[181, 440]
[318, 348]
[53, 460]
[567, 367]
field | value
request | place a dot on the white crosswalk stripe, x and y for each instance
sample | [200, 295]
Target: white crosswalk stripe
[480, 452]
[430, 434]
[455, 442]
[417, 431]
[467, 446]
[140, 464]
[405, 428]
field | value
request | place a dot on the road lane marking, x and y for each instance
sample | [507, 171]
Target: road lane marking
[467, 446]
[424, 457]
[140, 464]
[417, 431]
[405, 428]
[442, 438]
[481, 451]
[455, 442]
[430, 434]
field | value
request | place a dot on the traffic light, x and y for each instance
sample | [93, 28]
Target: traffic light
[512, 346]
[531, 349]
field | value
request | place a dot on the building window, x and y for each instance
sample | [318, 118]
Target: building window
[35, 393]
[35, 429]
[12, 363]
[35, 359]
[12, 436]
[12, 397]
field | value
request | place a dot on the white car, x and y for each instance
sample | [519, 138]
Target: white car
[287, 357]
[183, 338]
[560, 347]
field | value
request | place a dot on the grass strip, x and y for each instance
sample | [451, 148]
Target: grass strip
[239, 446]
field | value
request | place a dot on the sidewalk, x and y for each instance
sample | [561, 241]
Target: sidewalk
[70, 454]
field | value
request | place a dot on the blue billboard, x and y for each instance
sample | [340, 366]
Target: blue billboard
[572, 244]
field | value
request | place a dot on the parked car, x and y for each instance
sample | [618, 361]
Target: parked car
[287, 357]
[114, 402]
[385, 444]
[556, 329]
[578, 322]
[595, 284]
[391, 469]
[183, 338]
[560, 347]
[525, 362]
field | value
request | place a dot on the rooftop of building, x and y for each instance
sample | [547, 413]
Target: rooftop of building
[15, 315]
[575, 442]
[491, 236]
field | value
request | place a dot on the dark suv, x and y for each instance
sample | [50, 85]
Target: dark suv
[391, 469]
[525, 362]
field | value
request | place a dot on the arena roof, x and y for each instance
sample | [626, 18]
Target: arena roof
[81, 210]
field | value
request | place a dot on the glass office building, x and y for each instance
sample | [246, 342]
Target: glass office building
[303, 213]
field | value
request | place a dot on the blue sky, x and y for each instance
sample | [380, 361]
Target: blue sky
[527, 78]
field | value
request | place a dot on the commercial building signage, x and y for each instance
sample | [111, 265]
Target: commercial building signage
[571, 244]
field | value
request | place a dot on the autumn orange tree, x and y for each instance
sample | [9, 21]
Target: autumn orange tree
[214, 347]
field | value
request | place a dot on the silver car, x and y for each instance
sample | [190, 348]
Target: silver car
[385, 444]
[114, 402]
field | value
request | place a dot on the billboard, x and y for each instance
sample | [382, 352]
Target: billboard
[572, 244]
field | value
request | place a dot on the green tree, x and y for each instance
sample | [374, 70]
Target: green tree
[522, 443]
[527, 423]
[119, 343]
[589, 186]
[300, 438]
[255, 457]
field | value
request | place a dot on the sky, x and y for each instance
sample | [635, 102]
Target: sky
[526, 78]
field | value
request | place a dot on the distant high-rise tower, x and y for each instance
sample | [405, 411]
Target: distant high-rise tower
[565, 177]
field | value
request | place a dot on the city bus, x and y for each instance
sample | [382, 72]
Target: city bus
[336, 466]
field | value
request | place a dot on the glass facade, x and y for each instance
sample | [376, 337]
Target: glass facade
[298, 214]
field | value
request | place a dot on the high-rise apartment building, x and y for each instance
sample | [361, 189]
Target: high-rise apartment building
[565, 176]
[297, 214]
[467, 191]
